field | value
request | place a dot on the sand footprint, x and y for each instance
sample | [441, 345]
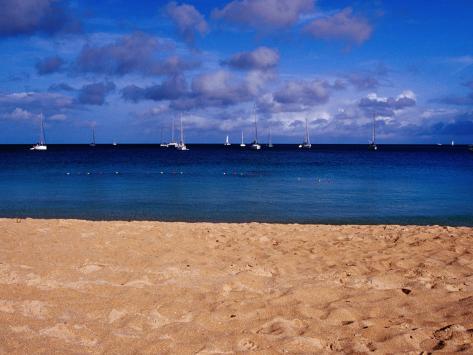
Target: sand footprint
[280, 328]
[246, 345]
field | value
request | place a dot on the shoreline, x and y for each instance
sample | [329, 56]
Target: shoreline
[71, 285]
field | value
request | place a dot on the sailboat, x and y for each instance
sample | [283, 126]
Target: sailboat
[173, 143]
[93, 137]
[306, 143]
[372, 145]
[227, 142]
[453, 143]
[114, 143]
[270, 142]
[41, 145]
[162, 141]
[255, 144]
[181, 145]
[242, 144]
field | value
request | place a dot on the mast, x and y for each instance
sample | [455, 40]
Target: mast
[172, 131]
[242, 137]
[256, 125]
[270, 143]
[93, 135]
[182, 132]
[373, 140]
[42, 138]
[307, 139]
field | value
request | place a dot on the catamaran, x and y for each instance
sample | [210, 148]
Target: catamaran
[227, 142]
[372, 144]
[270, 142]
[306, 143]
[242, 144]
[181, 145]
[41, 145]
[255, 144]
[93, 137]
[173, 143]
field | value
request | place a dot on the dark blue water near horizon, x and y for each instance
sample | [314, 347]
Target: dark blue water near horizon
[406, 184]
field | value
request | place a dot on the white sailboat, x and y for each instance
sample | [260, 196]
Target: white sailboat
[114, 143]
[453, 143]
[270, 141]
[41, 145]
[372, 145]
[93, 137]
[306, 143]
[242, 144]
[181, 145]
[255, 145]
[173, 143]
[227, 142]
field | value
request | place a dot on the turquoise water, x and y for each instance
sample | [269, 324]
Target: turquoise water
[328, 184]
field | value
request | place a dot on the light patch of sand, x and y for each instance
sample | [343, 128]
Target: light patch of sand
[152, 287]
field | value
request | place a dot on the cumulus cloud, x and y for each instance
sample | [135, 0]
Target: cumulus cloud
[264, 13]
[36, 100]
[27, 17]
[170, 89]
[49, 65]
[18, 114]
[387, 106]
[61, 87]
[341, 26]
[188, 20]
[134, 53]
[262, 58]
[95, 94]
[363, 81]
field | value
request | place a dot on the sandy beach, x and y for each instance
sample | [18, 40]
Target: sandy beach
[71, 286]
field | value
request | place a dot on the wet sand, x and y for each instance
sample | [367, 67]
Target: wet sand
[69, 286]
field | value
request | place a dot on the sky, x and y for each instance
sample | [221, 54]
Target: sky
[129, 68]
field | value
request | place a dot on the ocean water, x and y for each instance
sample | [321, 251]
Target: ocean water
[327, 184]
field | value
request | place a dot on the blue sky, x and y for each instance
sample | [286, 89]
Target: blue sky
[129, 68]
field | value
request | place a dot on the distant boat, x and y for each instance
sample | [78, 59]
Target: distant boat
[227, 142]
[453, 143]
[470, 148]
[306, 143]
[172, 143]
[181, 145]
[439, 144]
[93, 137]
[270, 142]
[41, 145]
[114, 144]
[255, 145]
[372, 145]
[242, 144]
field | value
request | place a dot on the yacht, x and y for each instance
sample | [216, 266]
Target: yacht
[453, 143]
[114, 144]
[242, 144]
[227, 142]
[41, 145]
[372, 144]
[181, 145]
[255, 145]
[306, 143]
[162, 144]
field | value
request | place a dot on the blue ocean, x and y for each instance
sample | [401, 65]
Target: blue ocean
[328, 184]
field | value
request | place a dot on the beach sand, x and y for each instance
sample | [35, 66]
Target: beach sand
[70, 286]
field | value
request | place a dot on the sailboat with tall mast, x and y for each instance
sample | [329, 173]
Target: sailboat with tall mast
[306, 143]
[41, 145]
[181, 145]
[173, 143]
[255, 145]
[227, 141]
[372, 145]
[92, 144]
[242, 144]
